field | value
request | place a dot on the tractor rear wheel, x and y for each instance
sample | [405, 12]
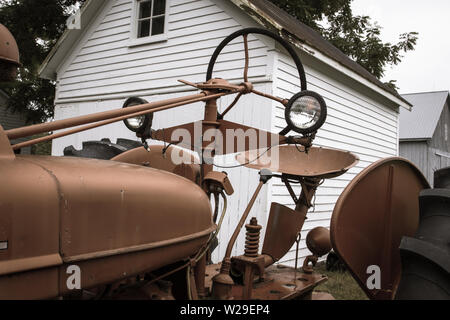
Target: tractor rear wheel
[103, 149]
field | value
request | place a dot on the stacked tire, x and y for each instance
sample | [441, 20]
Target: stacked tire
[103, 149]
[426, 256]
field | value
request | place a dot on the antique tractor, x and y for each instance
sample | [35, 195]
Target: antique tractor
[140, 224]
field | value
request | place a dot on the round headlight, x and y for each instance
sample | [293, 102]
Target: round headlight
[306, 112]
[137, 124]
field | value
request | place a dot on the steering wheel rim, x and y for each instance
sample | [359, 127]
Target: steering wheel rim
[244, 33]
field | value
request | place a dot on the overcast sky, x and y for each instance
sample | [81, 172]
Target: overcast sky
[427, 68]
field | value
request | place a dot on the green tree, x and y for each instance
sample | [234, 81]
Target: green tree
[36, 25]
[356, 36]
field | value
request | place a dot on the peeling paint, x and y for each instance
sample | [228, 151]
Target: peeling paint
[260, 17]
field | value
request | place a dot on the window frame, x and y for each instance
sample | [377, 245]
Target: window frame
[134, 40]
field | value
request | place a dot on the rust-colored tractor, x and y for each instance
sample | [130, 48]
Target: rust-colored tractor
[139, 223]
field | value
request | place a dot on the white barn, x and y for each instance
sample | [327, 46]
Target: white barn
[114, 56]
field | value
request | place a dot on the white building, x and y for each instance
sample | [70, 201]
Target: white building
[11, 120]
[100, 65]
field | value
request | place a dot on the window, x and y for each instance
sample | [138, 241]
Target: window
[150, 21]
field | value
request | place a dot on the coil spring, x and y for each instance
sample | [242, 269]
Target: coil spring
[252, 238]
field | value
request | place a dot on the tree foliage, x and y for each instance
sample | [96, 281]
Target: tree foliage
[356, 36]
[36, 26]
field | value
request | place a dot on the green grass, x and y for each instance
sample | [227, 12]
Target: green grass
[340, 285]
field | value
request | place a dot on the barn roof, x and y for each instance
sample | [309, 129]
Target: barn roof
[264, 13]
[421, 122]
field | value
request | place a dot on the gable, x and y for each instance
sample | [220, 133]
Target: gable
[106, 61]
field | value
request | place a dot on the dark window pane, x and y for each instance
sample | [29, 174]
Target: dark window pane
[158, 26]
[145, 9]
[144, 28]
[159, 7]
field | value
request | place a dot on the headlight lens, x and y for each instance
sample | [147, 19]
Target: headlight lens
[135, 123]
[141, 123]
[306, 112]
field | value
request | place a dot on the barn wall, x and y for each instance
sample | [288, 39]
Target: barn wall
[356, 122]
[433, 154]
[440, 143]
[417, 153]
[441, 136]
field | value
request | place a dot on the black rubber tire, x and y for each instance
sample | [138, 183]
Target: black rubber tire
[286, 45]
[334, 263]
[103, 149]
[442, 178]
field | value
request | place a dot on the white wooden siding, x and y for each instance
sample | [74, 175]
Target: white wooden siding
[355, 123]
[106, 64]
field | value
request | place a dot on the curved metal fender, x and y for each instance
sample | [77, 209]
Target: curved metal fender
[93, 213]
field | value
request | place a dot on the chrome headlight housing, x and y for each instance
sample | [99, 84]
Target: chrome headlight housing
[138, 124]
[306, 112]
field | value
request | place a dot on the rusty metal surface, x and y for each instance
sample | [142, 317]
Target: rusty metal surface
[109, 205]
[111, 219]
[189, 171]
[6, 152]
[32, 285]
[112, 268]
[9, 51]
[29, 224]
[242, 220]
[112, 115]
[252, 238]
[282, 230]
[318, 162]
[374, 212]
[216, 181]
[261, 137]
[318, 241]
[157, 157]
[278, 284]
[29, 215]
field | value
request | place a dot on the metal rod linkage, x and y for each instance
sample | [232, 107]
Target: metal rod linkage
[247, 62]
[106, 122]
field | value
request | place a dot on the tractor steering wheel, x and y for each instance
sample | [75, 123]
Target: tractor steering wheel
[305, 112]
[244, 33]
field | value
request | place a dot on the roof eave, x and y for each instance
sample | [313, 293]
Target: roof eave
[59, 52]
[414, 139]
